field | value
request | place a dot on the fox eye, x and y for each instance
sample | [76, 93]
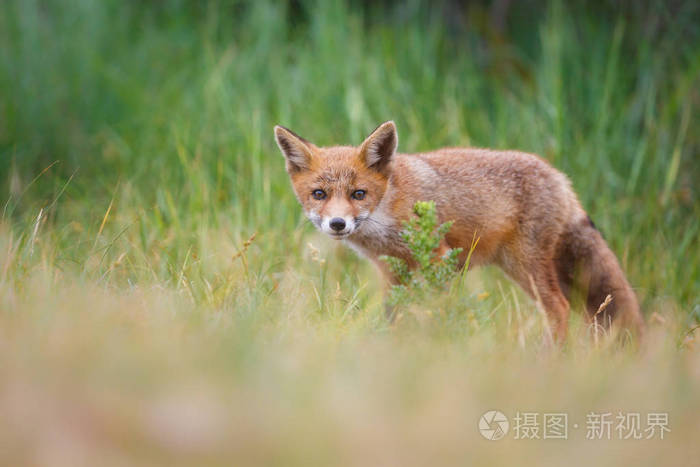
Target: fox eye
[359, 194]
[318, 194]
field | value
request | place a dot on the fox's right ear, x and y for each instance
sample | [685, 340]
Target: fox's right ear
[294, 148]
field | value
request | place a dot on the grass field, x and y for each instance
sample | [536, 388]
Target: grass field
[163, 301]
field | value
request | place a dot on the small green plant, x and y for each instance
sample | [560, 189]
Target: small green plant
[423, 235]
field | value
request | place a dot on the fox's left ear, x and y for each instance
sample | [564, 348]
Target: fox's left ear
[295, 149]
[379, 147]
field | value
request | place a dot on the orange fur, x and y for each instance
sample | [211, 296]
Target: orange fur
[524, 212]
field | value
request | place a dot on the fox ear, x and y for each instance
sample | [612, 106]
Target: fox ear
[294, 148]
[379, 147]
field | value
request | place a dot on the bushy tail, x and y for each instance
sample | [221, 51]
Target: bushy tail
[587, 268]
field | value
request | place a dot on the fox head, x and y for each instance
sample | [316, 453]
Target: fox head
[340, 186]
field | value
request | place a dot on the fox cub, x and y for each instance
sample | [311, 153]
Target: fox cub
[524, 212]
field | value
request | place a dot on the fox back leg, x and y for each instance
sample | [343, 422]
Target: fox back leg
[537, 275]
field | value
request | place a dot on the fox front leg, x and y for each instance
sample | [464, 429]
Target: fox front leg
[390, 280]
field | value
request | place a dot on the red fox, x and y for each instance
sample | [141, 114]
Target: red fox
[524, 212]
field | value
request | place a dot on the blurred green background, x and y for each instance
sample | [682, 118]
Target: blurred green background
[163, 300]
[168, 106]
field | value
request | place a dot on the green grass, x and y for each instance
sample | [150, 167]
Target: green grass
[137, 159]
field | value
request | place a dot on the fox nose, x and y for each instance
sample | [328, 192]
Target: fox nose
[337, 224]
